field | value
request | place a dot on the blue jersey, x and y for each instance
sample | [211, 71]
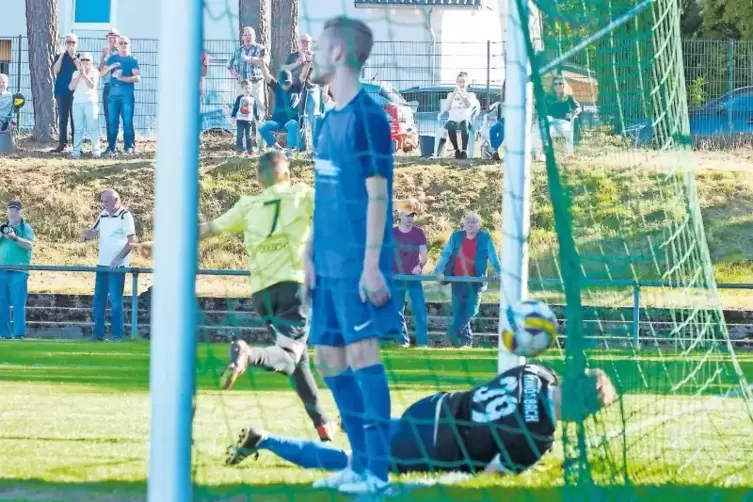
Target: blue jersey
[354, 145]
[127, 65]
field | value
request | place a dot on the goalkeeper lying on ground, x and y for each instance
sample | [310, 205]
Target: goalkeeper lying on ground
[505, 426]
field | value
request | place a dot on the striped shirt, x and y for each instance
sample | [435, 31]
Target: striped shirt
[246, 69]
[114, 230]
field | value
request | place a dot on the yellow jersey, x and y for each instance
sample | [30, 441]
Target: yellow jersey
[276, 226]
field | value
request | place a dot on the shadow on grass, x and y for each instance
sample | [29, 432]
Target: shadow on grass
[125, 367]
[123, 491]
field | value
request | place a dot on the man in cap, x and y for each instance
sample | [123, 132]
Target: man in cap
[410, 258]
[16, 244]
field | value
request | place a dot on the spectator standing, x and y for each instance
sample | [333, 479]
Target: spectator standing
[6, 103]
[497, 130]
[85, 105]
[16, 245]
[467, 253]
[247, 62]
[124, 73]
[459, 106]
[107, 52]
[116, 231]
[63, 68]
[245, 119]
[410, 259]
[296, 60]
[285, 114]
[298, 63]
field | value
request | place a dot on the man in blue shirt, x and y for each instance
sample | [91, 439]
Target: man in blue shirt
[350, 258]
[124, 74]
[111, 49]
[63, 67]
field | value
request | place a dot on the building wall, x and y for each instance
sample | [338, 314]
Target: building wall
[13, 18]
[471, 41]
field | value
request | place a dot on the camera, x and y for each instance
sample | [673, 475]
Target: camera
[5, 229]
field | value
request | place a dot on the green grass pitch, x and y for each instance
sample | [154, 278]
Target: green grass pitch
[74, 426]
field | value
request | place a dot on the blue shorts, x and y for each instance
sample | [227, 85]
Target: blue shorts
[339, 317]
[412, 438]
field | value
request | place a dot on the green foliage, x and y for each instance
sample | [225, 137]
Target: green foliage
[697, 92]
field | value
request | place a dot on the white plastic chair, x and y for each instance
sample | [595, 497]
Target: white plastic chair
[558, 128]
[441, 132]
[487, 120]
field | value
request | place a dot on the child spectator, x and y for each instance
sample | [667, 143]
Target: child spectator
[85, 105]
[245, 119]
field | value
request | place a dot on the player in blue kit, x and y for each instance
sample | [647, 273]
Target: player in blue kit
[350, 257]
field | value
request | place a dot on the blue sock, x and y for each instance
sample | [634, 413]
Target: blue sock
[306, 453]
[349, 400]
[373, 383]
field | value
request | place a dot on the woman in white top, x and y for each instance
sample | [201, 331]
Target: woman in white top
[85, 105]
[459, 105]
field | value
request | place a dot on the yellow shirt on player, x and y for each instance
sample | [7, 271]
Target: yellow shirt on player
[275, 226]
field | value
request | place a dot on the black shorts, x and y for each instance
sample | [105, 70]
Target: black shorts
[282, 310]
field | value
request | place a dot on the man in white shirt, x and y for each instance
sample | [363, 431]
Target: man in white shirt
[117, 232]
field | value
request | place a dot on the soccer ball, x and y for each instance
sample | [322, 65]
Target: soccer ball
[529, 328]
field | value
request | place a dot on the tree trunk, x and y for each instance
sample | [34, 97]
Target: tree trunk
[42, 32]
[248, 14]
[255, 13]
[284, 30]
[262, 31]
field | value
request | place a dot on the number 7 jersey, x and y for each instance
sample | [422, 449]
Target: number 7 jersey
[276, 225]
[509, 420]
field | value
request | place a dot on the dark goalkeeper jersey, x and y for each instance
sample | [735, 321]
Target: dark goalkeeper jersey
[512, 415]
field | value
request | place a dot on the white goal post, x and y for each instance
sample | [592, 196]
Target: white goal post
[516, 178]
[173, 326]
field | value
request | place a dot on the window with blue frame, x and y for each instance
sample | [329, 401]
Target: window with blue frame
[92, 11]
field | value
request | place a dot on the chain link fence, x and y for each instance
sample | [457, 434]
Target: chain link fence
[713, 68]
[401, 63]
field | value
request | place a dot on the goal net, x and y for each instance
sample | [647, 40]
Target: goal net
[630, 251]
[616, 242]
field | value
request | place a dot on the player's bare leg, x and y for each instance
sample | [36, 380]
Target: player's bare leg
[282, 360]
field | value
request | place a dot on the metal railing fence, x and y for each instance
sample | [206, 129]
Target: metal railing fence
[536, 283]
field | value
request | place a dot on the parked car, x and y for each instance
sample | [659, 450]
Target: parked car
[725, 119]
[403, 130]
[729, 115]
